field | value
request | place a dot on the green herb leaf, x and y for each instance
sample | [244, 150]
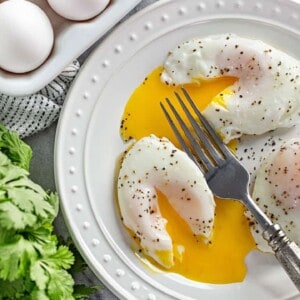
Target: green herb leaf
[18, 289]
[15, 149]
[22, 202]
[39, 275]
[16, 255]
[82, 292]
[62, 258]
[11, 217]
[60, 285]
[38, 295]
[33, 266]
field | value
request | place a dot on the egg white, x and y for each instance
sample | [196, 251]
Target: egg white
[266, 95]
[153, 163]
[277, 191]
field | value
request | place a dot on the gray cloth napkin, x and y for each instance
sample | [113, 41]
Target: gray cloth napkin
[30, 114]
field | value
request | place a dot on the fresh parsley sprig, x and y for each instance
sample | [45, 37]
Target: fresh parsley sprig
[34, 264]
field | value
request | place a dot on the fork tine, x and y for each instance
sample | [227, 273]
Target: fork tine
[204, 159]
[179, 136]
[205, 140]
[224, 150]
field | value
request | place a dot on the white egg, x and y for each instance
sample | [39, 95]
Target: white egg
[266, 95]
[277, 191]
[153, 163]
[78, 10]
[26, 36]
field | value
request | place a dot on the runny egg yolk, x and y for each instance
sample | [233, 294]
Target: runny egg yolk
[223, 259]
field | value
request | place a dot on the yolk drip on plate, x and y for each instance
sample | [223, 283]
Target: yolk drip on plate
[222, 260]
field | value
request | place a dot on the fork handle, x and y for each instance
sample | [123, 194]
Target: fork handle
[286, 251]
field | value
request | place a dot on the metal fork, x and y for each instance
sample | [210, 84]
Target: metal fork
[227, 178]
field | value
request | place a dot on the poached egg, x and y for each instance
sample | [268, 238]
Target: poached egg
[153, 163]
[277, 191]
[266, 95]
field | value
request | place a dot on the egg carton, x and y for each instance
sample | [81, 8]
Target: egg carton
[71, 40]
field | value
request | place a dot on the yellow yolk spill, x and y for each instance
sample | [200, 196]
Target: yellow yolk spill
[221, 261]
[143, 115]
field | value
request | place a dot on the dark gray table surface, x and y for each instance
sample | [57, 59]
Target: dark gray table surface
[42, 170]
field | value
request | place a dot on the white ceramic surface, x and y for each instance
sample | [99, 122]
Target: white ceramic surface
[71, 40]
[88, 141]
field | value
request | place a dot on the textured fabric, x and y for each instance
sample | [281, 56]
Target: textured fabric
[30, 114]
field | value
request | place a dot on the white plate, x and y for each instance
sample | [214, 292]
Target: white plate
[88, 141]
[71, 40]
